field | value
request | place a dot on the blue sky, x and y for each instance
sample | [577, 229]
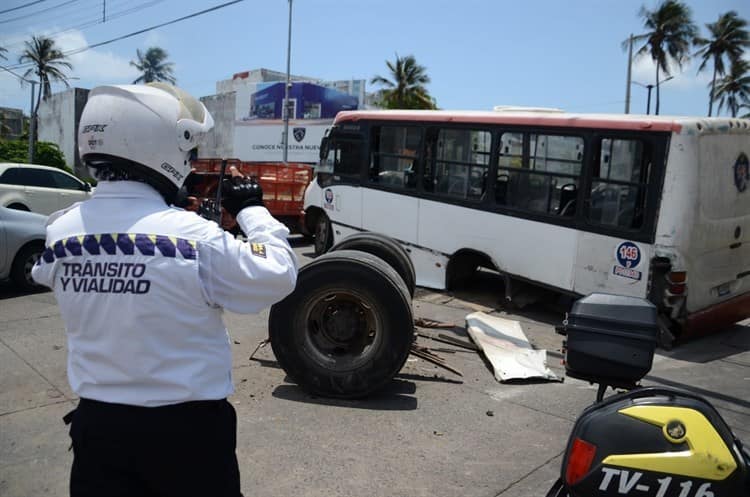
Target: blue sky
[550, 53]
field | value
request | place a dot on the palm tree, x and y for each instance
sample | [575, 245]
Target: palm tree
[734, 88]
[670, 32]
[153, 66]
[406, 90]
[729, 38]
[48, 65]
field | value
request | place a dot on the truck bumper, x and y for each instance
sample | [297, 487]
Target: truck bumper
[717, 317]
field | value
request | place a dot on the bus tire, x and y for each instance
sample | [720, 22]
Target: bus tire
[323, 234]
[385, 248]
[346, 329]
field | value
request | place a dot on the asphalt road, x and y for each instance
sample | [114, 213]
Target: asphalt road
[430, 433]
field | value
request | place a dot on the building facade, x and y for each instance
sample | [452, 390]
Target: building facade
[57, 122]
[11, 123]
[256, 124]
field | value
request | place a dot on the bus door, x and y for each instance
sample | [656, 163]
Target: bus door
[390, 201]
[342, 194]
[620, 201]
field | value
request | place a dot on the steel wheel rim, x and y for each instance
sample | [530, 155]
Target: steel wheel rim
[342, 330]
[28, 265]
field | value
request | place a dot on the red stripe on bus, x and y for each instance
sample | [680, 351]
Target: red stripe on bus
[563, 120]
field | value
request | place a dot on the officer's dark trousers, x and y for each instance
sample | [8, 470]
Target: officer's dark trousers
[179, 450]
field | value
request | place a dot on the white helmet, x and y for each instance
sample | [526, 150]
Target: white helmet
[155, 125]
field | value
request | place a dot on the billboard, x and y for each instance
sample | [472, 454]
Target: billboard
[259, 125]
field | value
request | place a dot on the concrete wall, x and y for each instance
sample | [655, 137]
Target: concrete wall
[57, 122]
[220, 141]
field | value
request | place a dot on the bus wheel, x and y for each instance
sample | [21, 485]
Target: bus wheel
[323, 234]
[347, 328]
[385, 248]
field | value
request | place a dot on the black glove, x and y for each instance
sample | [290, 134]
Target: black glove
[239, 192]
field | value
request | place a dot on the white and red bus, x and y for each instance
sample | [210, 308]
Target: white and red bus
[648, 206]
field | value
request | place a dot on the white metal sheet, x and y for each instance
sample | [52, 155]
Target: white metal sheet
[505, 345]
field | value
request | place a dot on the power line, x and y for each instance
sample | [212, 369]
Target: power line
[87, 22]
[189, 16]
[70, 14]
[21, 6]
[38, 12]
[130, 35]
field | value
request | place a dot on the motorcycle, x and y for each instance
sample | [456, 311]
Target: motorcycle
[643, 441]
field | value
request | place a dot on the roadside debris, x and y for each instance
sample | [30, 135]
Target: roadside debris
[429, 323]
[427, 355]
[506, 347]
[261, 344]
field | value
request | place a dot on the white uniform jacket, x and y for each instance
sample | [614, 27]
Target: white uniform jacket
[141, 289]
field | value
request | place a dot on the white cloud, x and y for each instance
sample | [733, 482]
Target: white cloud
[154, 39]
[96, 65]
[685, 78]
[90, 68]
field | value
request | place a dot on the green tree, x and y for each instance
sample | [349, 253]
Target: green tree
[153, 66]
[47, 153]
[670, 32]
[406, 88]
[733, 90]
[729, 38]
[48, 64]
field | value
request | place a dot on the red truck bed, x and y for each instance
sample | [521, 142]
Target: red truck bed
[283, 185]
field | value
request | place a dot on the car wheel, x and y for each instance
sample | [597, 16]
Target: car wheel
[385, 248]
[347, 328]
[20, 271]
[19, 207]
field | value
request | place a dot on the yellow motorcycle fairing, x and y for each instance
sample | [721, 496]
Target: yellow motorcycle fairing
[707, 456]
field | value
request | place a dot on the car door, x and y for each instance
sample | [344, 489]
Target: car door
[70, 189]
[41, 191]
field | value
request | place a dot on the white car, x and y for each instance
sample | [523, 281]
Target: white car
[41, 189]
[22, 236]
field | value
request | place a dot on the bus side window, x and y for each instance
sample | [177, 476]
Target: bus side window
[618, 191]
[462, 161]
[428, 168]
[547, 180]
[347, 152]
[394, 156]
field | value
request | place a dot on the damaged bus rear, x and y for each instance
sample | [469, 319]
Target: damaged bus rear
[701, 267]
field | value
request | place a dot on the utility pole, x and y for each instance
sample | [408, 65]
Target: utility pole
[32, 122]
[286, 106]
[630, 70]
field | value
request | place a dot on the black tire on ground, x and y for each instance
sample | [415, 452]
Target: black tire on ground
[323, 234]
[347, 328]
[20, 271]
[385, 248]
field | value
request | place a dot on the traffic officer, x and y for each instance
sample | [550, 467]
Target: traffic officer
[141, 288]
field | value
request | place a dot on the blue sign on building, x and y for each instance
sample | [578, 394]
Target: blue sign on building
[309, 101]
